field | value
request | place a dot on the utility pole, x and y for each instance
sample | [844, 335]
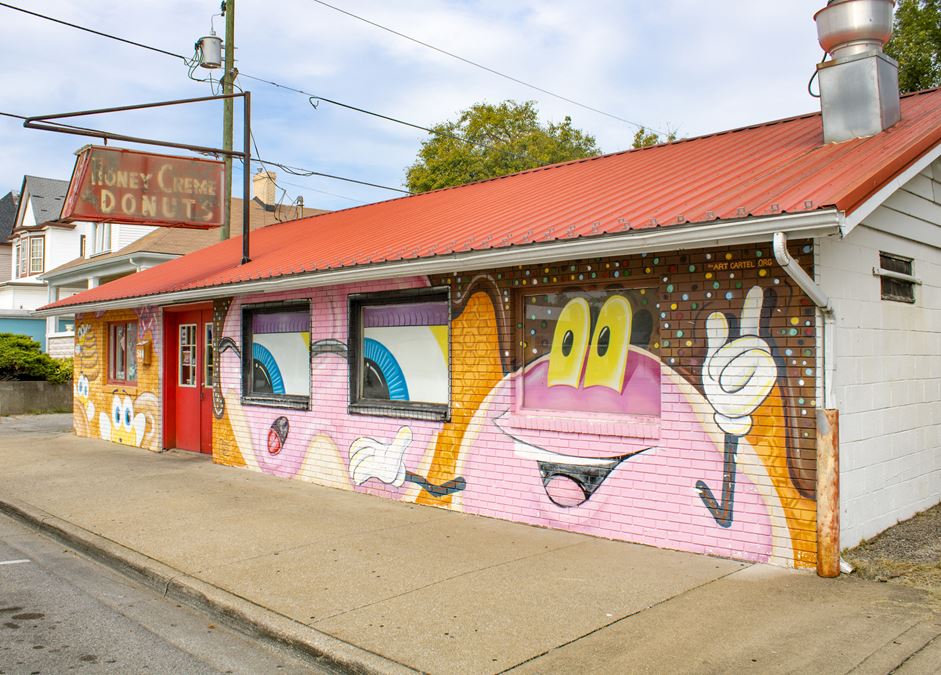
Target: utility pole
[228, 77]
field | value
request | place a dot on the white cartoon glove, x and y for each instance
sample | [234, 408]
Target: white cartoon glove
[738, 373]
[370, 458]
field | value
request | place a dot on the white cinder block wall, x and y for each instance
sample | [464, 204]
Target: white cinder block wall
[887, 382]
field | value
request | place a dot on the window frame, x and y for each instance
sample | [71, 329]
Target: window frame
[193, 348]
[359, 405]
[130, 351]
[209, 360]
[41, 240]
[888, 277]
[248, 397]
[519, 408]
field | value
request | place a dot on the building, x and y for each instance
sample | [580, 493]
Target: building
[37, 241]
[123, 249]
[650, 346]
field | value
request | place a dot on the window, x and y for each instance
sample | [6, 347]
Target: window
[400, 354]
[898, 284]
[21, 258]
[36, 254]
[591, 350]
[65, 325]
[102, 237]
[82, 245]
[186, 361]
[207, 356]
[276, 354]
[122, 352]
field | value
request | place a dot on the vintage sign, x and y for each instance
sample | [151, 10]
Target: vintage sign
[117, 185]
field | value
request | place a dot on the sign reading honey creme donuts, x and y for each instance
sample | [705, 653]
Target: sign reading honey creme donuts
[117, 185]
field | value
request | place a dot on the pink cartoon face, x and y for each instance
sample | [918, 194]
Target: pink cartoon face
[606, 439]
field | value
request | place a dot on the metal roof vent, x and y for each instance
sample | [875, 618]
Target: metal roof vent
[859, 88]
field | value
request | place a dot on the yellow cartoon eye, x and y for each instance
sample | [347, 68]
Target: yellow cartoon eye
[569, 343]
[607, 359]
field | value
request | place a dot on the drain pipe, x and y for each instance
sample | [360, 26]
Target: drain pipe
[828, 424]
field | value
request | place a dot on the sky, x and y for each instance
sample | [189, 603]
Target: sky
[684, 65]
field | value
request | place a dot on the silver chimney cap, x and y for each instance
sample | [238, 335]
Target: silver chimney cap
[859, 88]
[850, 27]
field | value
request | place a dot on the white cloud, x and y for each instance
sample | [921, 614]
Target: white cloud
[696, 66]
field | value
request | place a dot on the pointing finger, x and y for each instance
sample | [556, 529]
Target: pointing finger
[751, 311]
[717, 332]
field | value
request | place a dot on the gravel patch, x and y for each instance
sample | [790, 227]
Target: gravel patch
[908, 553]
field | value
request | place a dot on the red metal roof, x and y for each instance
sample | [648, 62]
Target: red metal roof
[770, 169]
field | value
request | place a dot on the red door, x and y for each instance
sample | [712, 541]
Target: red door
[188, 380]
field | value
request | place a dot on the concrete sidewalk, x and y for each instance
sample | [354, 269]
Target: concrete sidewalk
[380, 585]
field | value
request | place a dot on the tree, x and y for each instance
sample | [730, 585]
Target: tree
[916, 44]
[21, 358]
[644, 138]
[488, 140]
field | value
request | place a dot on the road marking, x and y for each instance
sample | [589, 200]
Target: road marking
[13, 562]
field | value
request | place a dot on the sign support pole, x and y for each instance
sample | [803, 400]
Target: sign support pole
[46, 123]
[246, 175]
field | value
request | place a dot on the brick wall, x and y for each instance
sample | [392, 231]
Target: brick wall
[127, 413]
[887, 380]
[718, 462]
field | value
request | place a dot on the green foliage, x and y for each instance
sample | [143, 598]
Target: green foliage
[21, 358]
[916, 44]
[644, 138]
[487, 141]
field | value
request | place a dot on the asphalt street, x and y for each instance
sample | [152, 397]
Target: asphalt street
[60, 612]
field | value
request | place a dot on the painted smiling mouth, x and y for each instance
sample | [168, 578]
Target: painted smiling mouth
[569, 485]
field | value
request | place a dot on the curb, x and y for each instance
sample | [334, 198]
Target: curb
[233, 610]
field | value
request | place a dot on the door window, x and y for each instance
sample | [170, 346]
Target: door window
[188, 346]
[208, 357]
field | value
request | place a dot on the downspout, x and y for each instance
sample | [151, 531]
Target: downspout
[828, 435]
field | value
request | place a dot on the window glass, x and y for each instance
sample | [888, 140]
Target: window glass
[187, 357]
[21, 258]
[898, 290]
[208, 356]
[591, 350]
[122, 352]
[36, 255]
[279, 347]
[400, 353]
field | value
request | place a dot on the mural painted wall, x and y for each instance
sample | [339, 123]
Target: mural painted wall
[665, 400]
[125, 411]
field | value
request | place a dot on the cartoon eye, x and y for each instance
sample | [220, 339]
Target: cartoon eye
[382, 375]
[116, 411]
[128, 413]
[569, 343]
[607, 359]
[83, 386]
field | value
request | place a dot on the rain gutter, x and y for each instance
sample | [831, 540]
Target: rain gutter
[727, 232]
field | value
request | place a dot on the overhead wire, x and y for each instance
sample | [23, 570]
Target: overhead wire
[293, 170]
[304, 173]
[486, 68]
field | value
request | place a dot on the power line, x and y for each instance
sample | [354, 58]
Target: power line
[487, 68]
[95, 32]
[293, 170]
[190, 62]
[325, 192]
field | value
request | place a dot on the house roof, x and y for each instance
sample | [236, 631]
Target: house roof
[781, 167]
[8, 205]
[46, 196]
[180, 241]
